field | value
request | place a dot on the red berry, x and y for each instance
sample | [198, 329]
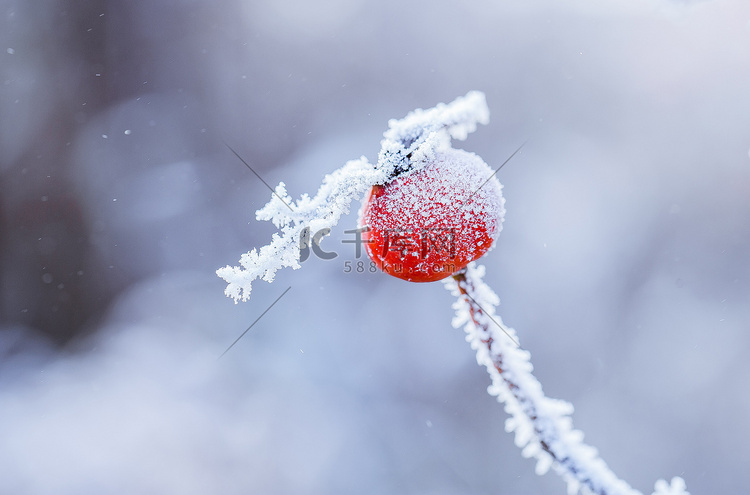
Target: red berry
[428, 224]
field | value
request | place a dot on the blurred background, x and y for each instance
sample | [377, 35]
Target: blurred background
[624, 263]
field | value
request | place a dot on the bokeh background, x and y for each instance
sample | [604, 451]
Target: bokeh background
[624, 263]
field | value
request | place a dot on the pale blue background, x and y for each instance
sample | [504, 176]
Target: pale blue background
[624, 263]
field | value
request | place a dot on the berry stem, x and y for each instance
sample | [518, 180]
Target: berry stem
[542, 425]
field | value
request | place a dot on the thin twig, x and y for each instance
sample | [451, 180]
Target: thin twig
[552, 434]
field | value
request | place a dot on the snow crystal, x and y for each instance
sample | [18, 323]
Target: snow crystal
[411, 141]
[676, 487]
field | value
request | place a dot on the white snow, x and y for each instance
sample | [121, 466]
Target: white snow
[675, 487]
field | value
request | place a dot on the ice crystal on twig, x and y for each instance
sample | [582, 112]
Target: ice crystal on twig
[318, 213]
[406, 143]
[542, 426]
[676, 487]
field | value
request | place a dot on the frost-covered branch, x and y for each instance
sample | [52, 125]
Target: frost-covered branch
[417, 135]
[543, 427]
[314, 214]
[421, 132]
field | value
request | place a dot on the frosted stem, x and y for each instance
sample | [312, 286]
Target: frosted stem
[542, 426]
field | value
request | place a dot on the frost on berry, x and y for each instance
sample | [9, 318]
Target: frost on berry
[407, 145]
[429, 223]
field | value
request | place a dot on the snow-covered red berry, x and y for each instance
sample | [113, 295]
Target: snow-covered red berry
[427, 224]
